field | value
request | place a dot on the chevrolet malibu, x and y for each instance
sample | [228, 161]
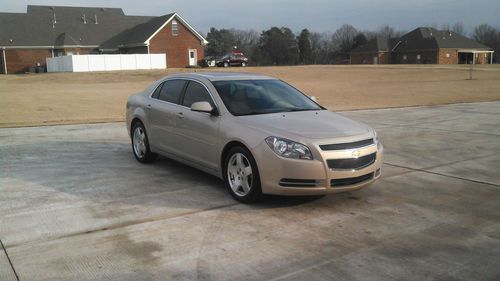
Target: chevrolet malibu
[257, 133]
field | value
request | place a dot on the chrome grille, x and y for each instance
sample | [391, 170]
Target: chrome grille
[350, 181]
[352, 163]
[349, 145]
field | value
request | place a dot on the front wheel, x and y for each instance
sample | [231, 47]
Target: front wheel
[140, 144]
[242, 176]
[226, 64]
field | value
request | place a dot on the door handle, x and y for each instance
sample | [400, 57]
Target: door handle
[180, 115]
[149, 106]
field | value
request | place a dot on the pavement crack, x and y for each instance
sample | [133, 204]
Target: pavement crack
[441, 174]
[10, 261]
[124, 224]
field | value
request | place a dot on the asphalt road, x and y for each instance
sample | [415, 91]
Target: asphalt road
[75, 205]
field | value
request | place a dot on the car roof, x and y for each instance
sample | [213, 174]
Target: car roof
[218, 76]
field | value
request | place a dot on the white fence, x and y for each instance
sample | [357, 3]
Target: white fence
[86, 63]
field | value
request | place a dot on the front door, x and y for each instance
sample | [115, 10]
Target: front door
[192, 57]
[162, 108]
[198, 132]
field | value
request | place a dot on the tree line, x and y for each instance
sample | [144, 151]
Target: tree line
[281, 46]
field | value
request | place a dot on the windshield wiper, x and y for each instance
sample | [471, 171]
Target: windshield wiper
[301, 109]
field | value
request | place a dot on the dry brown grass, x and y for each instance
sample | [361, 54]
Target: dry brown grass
[67, 98]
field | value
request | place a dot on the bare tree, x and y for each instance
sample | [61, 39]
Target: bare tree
[446, 27]
[458, 28]
[343, 38]
[321, 48]
[384, 31]
[489, 36]
[388, 32]
[246, 41]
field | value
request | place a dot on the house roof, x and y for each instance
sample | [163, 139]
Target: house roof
[79, 26]
[422, 38]
[376, 45]
[428, 38]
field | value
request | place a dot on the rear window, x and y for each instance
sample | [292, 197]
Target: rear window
[171, 91]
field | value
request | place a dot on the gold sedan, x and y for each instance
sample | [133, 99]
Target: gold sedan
[257, 133]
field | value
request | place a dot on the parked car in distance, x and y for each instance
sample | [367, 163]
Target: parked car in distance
[233, 59]
[257, 133]
[208, 61]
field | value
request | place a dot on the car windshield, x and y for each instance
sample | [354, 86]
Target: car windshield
[248, 97]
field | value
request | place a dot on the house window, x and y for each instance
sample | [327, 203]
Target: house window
[175, 28]
[447, 55]
[418, 57]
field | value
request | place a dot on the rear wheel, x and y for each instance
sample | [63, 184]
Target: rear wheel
[243, 64]
[226, 64]
[242, 175]
[140, 144]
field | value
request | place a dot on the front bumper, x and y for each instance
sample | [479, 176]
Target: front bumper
[283, 176]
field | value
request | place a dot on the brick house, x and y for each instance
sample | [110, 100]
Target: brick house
[27, 39]
[375, 51]
[423, 45]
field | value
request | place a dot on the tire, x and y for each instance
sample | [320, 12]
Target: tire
[243, 64]
[226, 64]
[140, 144]
[241, 175]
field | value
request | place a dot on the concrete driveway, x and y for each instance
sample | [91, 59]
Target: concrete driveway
[75, 205]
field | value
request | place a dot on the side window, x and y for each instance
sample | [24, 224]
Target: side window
[171, 91]
[195, 92]
[156, 93]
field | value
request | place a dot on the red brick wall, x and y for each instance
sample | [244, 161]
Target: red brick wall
[176, 47]
[483, 58]
[367, 58]
[362, 58]
[2, 68]
[444, 59]
[383, 58]
[426, 57]
[19, 61]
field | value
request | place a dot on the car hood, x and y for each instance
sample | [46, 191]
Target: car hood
[306, 124]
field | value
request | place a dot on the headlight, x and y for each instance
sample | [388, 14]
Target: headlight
[289, 149]
[377, 141]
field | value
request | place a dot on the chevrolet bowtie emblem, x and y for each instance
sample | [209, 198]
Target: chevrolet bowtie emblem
[356, 153]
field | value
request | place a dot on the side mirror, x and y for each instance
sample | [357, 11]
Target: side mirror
[203, 106]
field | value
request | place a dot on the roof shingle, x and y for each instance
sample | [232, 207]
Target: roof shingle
[76, 26]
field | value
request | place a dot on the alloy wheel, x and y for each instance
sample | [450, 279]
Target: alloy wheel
[139, 140]
[240, 174]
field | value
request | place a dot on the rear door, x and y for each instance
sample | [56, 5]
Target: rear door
[198, 132]
[164, 104]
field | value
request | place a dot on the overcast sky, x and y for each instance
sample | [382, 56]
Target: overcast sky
[317, 15]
